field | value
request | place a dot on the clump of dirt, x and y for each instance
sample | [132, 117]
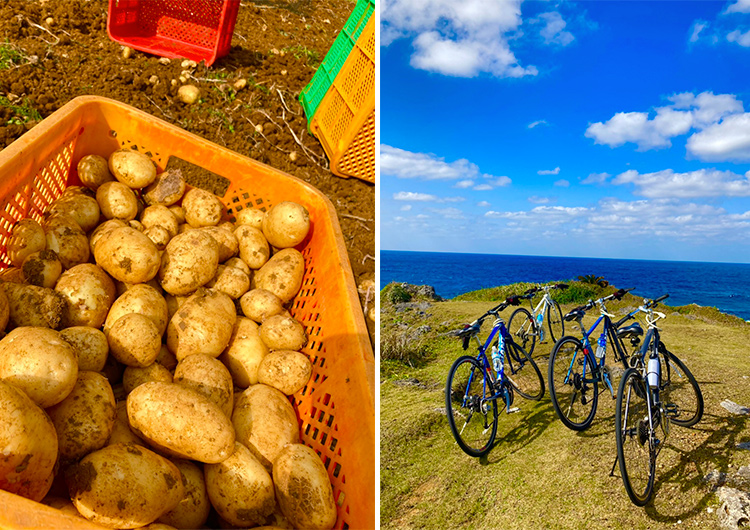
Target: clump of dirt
[51, 52]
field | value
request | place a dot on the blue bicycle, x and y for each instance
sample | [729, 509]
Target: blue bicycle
[474, 388]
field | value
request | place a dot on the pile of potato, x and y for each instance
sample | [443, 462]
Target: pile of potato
[149, 356]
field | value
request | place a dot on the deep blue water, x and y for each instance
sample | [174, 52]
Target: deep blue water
[725, 286]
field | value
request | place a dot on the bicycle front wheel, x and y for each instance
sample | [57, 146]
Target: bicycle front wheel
[636, 451]
[522, 372]
[522, 328]
[471, 416]
[572, 386]
[555, 322]
[679, 390]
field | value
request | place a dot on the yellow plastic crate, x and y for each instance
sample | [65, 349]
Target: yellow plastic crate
[336, 408]
[345, 120]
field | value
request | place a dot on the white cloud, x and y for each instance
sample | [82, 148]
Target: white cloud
[562, 183]
[740, 6]
[700, 183]
[743, 39]
[553, 31]
[461, 184]
[726, 140]
[452, 199]
[596, 178]
[555, 171]
[413, 196]
[406, 208]
[541, 216]
[449, 213]
[483, 204]
[534, 199]
[537, 123]
[698, 27]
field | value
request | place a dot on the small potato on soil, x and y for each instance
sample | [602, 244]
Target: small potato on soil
[93, 171]
[134, 169]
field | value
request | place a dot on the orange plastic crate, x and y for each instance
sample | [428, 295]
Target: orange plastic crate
[345, 120]
[200, 30]
[336, 408]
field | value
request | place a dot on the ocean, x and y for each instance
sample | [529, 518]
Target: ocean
[725, 286]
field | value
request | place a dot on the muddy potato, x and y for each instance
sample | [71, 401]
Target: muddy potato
[192, 511]
[89, 293]
[166, 189]
[29, 445]
[253, 247]
[62, 505]
[182, 421]
[124, 486]
[26, 238]
[134, 223]
[159, 215]
[13, 275]
[203, 324]
[103, 230]
[260, 304]
[166, 358]
[282, 274]
[230, 281]
[283, 332]
[4, 310]
[85, 418]
[141, 298]
[82, 208]
[134, 376]
[208, 376]
[67, 239]
[30, 305]
[264, 422]
[244, 353]
[286, 371]
[159, 235]
[179, 213]
[134, 340]
[39, 362]
[121, 431]
[189, 262]
[250, 216]
[128, 255]
[228, 245]
[202, 208]
[42, 268]
[90, 344]
[303, 489]
[132, 168]
[286, 224]
[117, 201]
[240, 488]
[94, 171]
[237, 263]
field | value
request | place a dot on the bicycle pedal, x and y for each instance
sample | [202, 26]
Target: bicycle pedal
[513, 410]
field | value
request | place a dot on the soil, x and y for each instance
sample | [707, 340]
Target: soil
[52, 52]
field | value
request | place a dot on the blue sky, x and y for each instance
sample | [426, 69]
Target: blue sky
[600, 128]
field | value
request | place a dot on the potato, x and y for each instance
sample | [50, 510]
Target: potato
[166, 358]
[167, 188]
[13, 274]
[90, 344]
[250, 216]
[202, 208]
[189, 262]
[26, 238]
[117, 201]
[134, 340]
[82, 208]
[132, 168]
[244, 353]
[178, 212]
[121, 431]
[282, 274]
[124, 486]
[84, 420]
[67, 239]
[240, 488]
[287, 371]
[103, 230]
[303, 488]
[94, 171]
[203, 324]
[230, 281]
[42, 268]
[89, 293]
[260, 304]
[141, 298]
[283, 332]
[39, 362]
[159, 235]
[286, 224]
[29, 445]
[228, 244]
[134, 376]
[4, 310]
[182, 421]
[134, 223]
[192, 511]
[253, 246]
[264, 422]
[29, 305]
[206, 375]
[237, 263]
[159, 215]
[128, 255]
[62, 505]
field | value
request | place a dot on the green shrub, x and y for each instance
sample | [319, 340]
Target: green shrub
[395, 294]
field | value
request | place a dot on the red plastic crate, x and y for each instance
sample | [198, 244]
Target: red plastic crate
[199, 30]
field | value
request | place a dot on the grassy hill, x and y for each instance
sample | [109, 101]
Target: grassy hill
[539, 474]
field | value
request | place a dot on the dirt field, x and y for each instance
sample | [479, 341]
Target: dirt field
[51, 52]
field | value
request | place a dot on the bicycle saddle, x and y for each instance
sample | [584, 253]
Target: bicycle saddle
[633, 330]
[575, 314]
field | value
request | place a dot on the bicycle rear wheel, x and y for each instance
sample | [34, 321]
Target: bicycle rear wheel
[636, 450]
[471, 416]
[522, 372]
[523, 330]
[555, 322]
[572, 386]
[679, 390]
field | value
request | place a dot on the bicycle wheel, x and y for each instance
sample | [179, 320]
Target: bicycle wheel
[522, 372]
[472, 418]
[572, 386]
[636, 451]
[523, 330]
[679, 390]
[555, 322]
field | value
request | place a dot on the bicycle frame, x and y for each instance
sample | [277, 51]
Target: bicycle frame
[498, 328]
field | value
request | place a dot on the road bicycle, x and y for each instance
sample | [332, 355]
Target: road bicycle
[575, 369]
[526, 327]
[473, 387]
[656, 391]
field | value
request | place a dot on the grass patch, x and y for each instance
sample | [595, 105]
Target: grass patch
[312, 56]
[10, 57]
[22, 113]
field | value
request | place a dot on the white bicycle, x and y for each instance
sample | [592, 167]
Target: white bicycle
[527, 328]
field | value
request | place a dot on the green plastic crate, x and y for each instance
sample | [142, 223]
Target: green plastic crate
[316, 89]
